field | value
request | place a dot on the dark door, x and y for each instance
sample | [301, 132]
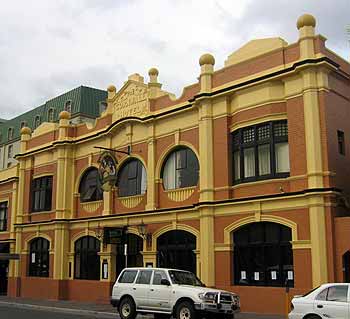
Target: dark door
[135, 248]
[346, 266]
[4, 266]
[176, 250]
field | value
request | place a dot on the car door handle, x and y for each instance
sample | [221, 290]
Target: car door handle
[134, 288]
[319, 306]
[152, 289]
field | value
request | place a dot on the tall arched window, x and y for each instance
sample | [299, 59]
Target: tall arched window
[50, 115]
[10, 134]
[37, 121]
[39, 260]
[90, 188]
[263, 255]
[86, 258]
[68, 106]
[181, 169]
[132, 179]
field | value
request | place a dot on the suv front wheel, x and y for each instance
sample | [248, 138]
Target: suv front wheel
[127, 309]
[185, 310]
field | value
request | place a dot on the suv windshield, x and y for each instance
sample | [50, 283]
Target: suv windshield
[184, 278]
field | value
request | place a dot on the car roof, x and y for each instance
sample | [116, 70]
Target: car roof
[334, 284]
[153, 268]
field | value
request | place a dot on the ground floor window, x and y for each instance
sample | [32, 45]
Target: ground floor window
[39, 260]
[346, 266]
[263, 255]
[87, 260]
[176, 250]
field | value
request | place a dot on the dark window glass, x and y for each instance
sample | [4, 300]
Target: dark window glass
[87, 260]
[39, 260]
[341, 142]
[263, 255]
[3, 216]
[158, 276]
[181, 169]
[42, 194]
[144, 277]
[337, 293]
[128, 276]
[90, 188]
[261, 152]
[132, 179]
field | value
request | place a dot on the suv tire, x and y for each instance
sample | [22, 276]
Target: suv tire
[185, 310]
[127, 308]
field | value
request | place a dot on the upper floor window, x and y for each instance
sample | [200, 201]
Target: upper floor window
[23, 124]
[181, 169]
[341, 142]
[103, 106]
[90, 188]
[39, 261]
[3, 216]
[132, 178]
[42, 194]
[10, 151]
[37, 121]
[68, 106]
[50, 115]
[261, 152]
[10, 134]
[263, 255]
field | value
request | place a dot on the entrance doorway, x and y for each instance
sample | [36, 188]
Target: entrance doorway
[4, 266]
[135, 248]
[176, 250]
[346, 266]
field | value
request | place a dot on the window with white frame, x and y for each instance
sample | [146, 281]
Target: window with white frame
[261, 152]
[181, 169]
[37, 121]
[50, 115]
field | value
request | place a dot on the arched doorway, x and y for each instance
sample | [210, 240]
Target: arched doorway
[346, 266]
[176, 250]
[135, 248]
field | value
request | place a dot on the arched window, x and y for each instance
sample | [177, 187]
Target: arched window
[10, 134]
[37, 121]
[263, 255]
[181, 169]
[132, 179]
[39, 261]
[86, 258]
[23, 124]
[50, 115]
[90, 188]
[68, 106]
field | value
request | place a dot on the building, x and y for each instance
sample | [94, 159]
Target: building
[242, 179]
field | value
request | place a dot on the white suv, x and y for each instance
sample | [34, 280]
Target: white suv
[170, 292]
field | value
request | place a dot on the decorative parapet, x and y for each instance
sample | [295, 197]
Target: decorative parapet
[131, 201]
[92, 206]
[180, 194]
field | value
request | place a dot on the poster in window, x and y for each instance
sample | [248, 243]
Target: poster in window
[274, 275]
[107, 171]
[243, 275]
[256, 276]
[290, 275]
[33, 258]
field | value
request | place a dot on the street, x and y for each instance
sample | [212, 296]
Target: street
[11, 312]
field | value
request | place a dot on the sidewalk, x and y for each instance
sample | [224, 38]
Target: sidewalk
[101, 310]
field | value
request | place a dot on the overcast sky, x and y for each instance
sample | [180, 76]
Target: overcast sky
[48, 47]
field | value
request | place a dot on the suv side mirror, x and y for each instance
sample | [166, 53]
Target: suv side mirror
[165, 282]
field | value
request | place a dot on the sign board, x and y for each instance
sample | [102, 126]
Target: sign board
[113, 235]
[107, 171]
[5, 256]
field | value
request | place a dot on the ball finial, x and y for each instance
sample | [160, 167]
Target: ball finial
[111, 88]
[306, 20]
[206, 59]
[153, 71]
[25, 130]
[64, 115]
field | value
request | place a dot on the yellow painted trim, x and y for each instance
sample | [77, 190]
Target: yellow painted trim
[264, 218]
[131, 201]
[258, 120]
[42, 175]
[167, 151]
[129, 158]
[91, 206]
[37, 235]
[180, 194]
[83, 233]
[301, 244]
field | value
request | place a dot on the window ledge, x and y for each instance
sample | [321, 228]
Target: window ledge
[180, 194]
[91, 206]
[131, 201]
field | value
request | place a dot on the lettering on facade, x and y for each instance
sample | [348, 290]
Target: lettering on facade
[133, 101]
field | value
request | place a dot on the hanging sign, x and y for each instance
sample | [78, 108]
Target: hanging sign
[107, 171]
